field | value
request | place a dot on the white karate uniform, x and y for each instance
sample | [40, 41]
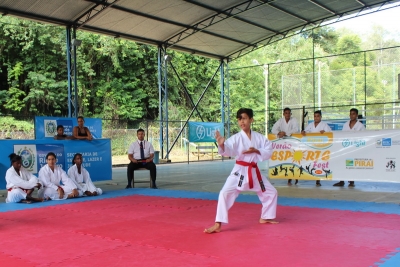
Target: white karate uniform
[357, 127]
[52, 180]
[234, 146]
[82, 180]
[321, 126]
[290, 127]
[16, 182]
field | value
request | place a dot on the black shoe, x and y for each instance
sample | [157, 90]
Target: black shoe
[154, 187]
[341, 183]
[351, 184]
[318, 184]
[128, 186]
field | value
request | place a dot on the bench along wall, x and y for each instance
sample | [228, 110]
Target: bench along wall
[96, 155]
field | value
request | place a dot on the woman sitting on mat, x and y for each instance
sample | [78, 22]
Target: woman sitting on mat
[51, 177]
[81, 177]
[20, 182]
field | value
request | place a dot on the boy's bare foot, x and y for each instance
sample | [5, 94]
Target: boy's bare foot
[268, 221]
[216, 228]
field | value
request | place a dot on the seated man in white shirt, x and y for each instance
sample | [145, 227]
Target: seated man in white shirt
[286, 126]
[351, 126]
[317, 126]
[141, 154]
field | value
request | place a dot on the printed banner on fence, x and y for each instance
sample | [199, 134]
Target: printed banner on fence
[46, 127]
[204, 131]
[96, 155]
[363, 156]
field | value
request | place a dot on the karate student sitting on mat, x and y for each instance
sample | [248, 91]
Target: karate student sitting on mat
[81, 177]
[20, 182]
[56, 183]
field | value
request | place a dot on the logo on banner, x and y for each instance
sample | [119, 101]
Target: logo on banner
[50, 127]
[391, 165]
[356, 143]
[384, 143]
[359, 163]
[200, 132]
[28, 156]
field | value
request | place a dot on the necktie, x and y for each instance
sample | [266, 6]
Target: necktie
[141, 150]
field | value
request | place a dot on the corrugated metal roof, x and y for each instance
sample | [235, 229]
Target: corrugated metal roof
[224, 29]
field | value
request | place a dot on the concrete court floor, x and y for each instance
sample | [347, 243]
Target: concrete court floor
[209, 176]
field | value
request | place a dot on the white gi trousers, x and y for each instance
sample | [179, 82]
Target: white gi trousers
[230, 192]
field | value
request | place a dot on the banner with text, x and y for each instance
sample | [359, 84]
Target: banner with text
[204, 131]
[96, 155]
[46, 127]
[354, 156]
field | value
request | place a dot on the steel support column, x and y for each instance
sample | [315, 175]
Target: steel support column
[72, 74]
[163, 59]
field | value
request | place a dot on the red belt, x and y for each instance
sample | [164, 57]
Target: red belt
[25, 190]
[252, 165]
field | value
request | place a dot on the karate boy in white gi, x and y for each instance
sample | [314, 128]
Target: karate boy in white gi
[318, 126]
[351, 126]
[284, 127]
[249, 147]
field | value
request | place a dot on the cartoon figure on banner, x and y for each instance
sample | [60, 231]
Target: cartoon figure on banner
[391, 164]
[301, 170]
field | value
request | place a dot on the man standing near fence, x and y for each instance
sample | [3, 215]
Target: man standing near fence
[352, 125]
[284, 127]
[141, 154]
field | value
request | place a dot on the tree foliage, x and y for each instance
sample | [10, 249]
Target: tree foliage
[117, 79]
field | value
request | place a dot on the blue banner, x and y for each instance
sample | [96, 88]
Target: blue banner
[46, 127]
[204, 131]
[96, 155]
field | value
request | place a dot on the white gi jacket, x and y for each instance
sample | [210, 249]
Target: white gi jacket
[321, 126]
[82, 180]
[235, 146]
[357, 127]
[288, 127]
[52, 180]
[16, 183]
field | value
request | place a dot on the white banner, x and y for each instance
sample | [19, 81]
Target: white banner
[354, 156]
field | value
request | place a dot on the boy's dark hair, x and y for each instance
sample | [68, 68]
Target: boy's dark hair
[355, 110]
[60, 126]
[80, 117]
[139, 130]
[319, 112]
[248, 111]
[287, 109]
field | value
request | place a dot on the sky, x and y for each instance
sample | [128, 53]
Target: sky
[389, 19]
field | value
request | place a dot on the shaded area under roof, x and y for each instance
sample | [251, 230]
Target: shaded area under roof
[224, 29]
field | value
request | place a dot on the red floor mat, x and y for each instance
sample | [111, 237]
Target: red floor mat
[155, 231]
